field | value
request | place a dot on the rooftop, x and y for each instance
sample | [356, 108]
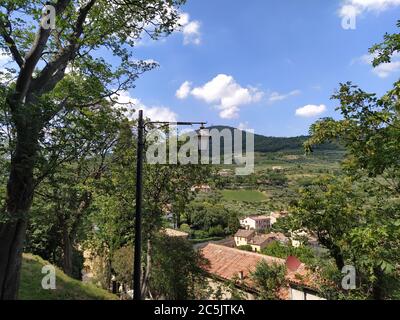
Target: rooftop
[279, 214]
[259, 240]
[244, 233]
[226, 263]
[175, 233]
[257, 218]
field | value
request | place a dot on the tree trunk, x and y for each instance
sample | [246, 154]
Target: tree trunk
[334, 251]
[147, 271]
[178, 220]
[13, 227]
[339, 260]
[67, 253]
[378, 290]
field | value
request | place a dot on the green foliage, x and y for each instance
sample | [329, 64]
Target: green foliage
[245, 248]
[177, 273]
[273, 144]
[243, 195]
[122, 265]
[357, 218]
[66, 287]
[276, 249]
[212, 218]
[269, 279]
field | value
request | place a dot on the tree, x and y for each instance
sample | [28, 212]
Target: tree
[122, 265]
[114, 202]
[269, 279]
[77, 164]
[367, 208]
[42, 59]
[177, 273]
[279, 250]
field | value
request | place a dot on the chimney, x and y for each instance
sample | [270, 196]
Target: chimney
[241, 275]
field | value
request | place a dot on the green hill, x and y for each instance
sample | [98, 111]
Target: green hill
[66, 287]
[265, 144]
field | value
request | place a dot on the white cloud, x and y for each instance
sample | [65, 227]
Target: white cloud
[155, 113]
[383, 70]
[4, 57]
[184, 90]
[276, 96]
[228, 96]
[356, 7]
[311, 110]
[386, 69]
[243, 126]
[190, 29]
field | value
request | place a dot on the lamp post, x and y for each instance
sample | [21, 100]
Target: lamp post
[137, 291]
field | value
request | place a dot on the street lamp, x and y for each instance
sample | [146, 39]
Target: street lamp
[203, 145]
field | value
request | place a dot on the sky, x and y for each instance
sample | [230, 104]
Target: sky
[271, 66]
[266, 65]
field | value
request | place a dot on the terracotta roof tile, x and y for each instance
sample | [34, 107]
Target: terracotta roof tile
[227, 263]
[244, 233]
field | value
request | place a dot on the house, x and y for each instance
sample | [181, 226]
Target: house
[274, 216]
[242, 237]
[229, 264]
[257, 223]
[299, 238]
[201, 188]
[278, 237]
[258, 241]
[175, 233]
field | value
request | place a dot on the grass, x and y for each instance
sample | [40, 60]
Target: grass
[198, 241]
[66, 287]
[244, 195]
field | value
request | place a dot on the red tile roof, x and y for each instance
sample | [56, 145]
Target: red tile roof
[260, 240]
[244, 233]
[226, 263]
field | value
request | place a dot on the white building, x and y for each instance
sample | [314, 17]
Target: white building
[257, 223]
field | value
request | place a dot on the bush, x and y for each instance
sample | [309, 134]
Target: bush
[185, 228]
[245, 248]
[276, 249]
[216, 231]
[122, 265]
[269, 279]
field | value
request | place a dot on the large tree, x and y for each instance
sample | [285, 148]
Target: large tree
[85, 31]
[357, 218]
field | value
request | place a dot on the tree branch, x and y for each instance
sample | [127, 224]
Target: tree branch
[6, 35]
[50, 72]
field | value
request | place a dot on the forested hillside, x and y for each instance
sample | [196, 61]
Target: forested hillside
[273, 144]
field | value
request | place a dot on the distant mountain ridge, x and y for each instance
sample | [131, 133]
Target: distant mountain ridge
[265, 144]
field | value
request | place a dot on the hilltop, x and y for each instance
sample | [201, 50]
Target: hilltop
[66, 287]
[265, 144]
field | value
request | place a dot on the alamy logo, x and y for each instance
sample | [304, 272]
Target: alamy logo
[349, 280]
[190, 149]
[48, 18]
[49, 280]
[349, 18]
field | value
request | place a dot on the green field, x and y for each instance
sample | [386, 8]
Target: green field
[66, 287]
[244, 195]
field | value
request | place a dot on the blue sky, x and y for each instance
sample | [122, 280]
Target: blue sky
[267, 65]
[292, 53]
